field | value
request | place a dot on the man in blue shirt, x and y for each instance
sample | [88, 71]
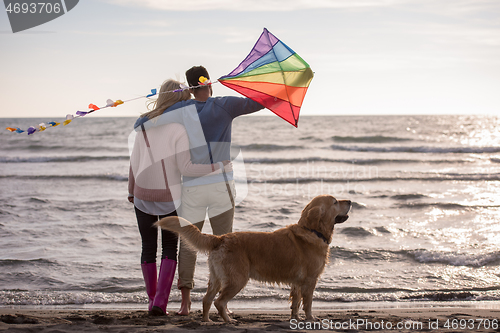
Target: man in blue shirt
[212, 194]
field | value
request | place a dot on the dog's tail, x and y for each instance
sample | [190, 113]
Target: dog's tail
[200, 241]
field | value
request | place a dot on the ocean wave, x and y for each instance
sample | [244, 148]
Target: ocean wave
[272, 161]
[383, 230]
[367, 161]
[406, 296]
[329, 295]
[348, 178]
[357, 205]
[27, 279]
[300, 181]
[419, 149]
[5, 212]
[270, 147]
[10, 263]
[38, 200]
[443, 205]
[456, 258]
[361, 255]
[411, 196]
[441, 296]
[115, 285]
[311, 138]
[265, 226]
[112, 177]
[39, 274]
[297, 181]
[13, 297]
[416, 255]
[55, 146]
[355, 232]
[283, 211]
[62, 159]
[369, 139]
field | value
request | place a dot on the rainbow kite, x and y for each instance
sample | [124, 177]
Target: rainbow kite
[274, 76]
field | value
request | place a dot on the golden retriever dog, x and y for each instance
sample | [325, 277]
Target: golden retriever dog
[295, 255]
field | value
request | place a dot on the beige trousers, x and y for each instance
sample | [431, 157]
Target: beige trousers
[197, 202]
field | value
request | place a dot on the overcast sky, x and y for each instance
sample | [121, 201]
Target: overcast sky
[369, 56]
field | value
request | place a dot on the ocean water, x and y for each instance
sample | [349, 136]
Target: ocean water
[423, 227]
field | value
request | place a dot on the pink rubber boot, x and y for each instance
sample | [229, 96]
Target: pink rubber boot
[165, 279]
[149, 274]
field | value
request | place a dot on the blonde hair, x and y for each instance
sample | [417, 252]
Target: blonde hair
[167, 98]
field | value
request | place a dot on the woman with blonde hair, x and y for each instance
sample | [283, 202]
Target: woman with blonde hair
[169, 95]
[159, 157]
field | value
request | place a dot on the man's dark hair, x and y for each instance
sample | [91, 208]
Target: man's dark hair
[193, 75]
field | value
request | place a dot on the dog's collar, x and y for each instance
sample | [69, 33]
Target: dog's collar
[319, 234]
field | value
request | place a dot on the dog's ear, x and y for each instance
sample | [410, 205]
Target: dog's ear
[314, 215]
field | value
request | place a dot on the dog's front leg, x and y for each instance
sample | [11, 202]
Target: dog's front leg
[295, 297]
[307, 297]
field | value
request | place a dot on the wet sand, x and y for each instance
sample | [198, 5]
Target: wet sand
[440, 319]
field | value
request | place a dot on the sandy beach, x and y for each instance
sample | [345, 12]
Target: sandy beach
[437, 319]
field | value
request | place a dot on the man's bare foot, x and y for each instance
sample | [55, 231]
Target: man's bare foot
[185, 303]
[184, 310]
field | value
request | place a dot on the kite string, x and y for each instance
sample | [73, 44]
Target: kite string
[109, 103]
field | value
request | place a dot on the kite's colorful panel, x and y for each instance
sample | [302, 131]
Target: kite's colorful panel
[273, 75]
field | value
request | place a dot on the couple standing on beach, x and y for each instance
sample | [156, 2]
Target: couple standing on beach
[180, 165]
